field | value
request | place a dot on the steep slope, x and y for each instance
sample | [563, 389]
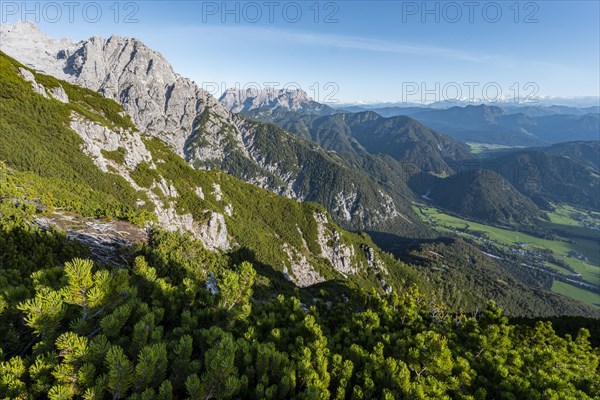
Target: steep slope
[173, 109]
[78, 153]
[73, 143]
[406, 140]
[463, 273]
[329, 132]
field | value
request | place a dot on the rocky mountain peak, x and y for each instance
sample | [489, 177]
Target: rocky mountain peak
[159, 101]
[242, 100]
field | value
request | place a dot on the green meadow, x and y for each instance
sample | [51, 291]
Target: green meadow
[573, 236]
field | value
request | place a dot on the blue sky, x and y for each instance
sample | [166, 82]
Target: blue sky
[359, 51]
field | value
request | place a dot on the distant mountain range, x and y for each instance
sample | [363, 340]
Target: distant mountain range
[549, 101]
[490, 124]
[568, 172]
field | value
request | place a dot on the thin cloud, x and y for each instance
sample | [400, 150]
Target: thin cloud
[346, 42]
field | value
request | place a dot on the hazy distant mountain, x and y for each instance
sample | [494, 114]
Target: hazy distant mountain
[562, 128]
[241, 101]
[510, 125]
[581, 102]
[539, 110]
[482, 124]
[545, 177]
[587, 153]
[480, 194]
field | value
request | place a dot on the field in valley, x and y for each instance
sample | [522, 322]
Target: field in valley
[576, 244]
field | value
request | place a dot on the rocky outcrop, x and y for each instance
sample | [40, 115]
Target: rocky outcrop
[375, 264]
[302, 273]
[98, 138]
[337, 253]
[28, 76]
[57, 93]
[214, 233]
[107, 241]
[347, 205]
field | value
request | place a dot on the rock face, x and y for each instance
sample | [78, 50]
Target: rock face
[214, 232]
[379, 269]
[28, 76]
[198, 127]
[105, 240]
[240, 101]
[98, 138]
[340, 255]
[302, 273]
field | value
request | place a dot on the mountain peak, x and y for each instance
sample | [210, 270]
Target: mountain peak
[243, 100]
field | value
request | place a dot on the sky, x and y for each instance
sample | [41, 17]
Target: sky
[354, 51]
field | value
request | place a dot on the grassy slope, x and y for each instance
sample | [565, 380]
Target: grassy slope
[576, 293]
[34, 138]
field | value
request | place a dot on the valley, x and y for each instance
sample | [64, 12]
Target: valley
[572, 258]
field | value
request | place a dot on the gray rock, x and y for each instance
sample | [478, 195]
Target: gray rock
[303, 274]
[97, 138]
[340, 255]
[28, 76]
[239, 100]
[59, 94]
[214, 233]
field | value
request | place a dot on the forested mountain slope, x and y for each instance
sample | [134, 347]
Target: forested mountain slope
[414, 145]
